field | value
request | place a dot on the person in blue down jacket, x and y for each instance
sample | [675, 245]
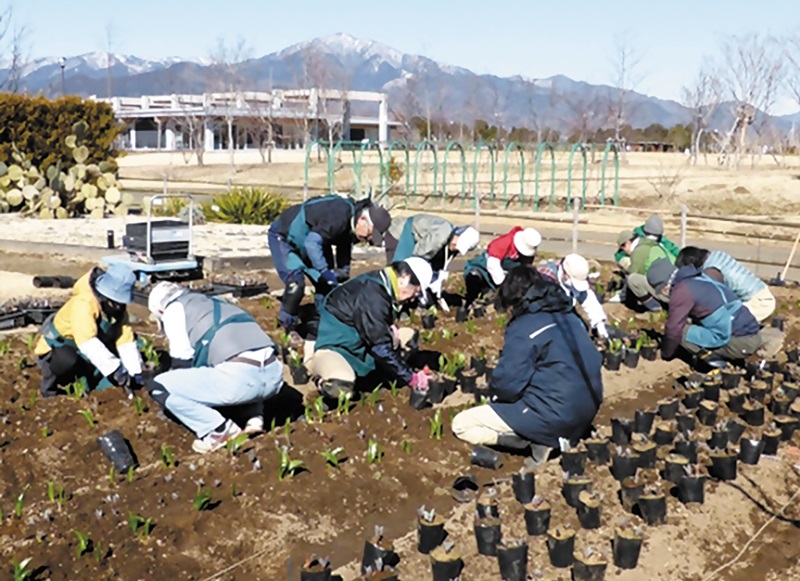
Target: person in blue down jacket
[724, 268]
[548, 383]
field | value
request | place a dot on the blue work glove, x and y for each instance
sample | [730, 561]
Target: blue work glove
[342, 274]
[120, 377]
[287, 321]
[329, 277]
[138, 381]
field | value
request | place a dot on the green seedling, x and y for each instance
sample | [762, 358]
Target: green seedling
[22, 364]
[343, 403]
[30, 341]
[112, 477]
[19, 503]
[450, 365]
[448, 334]
[287, 428]
[393, 388]
[374, 452]
[374, 396]
[77, 389]
[5, 347]
[149, 351]
[427, 336]
[46, 432]
[598, 288]
[267, 302]
[21, 571]
[287, 466]
[99, 552]
[234, 445]
[89, 417]
[56, 493]
[285, 339]
[501, 321]
[84, 543]
[202, 500]
[272, 424]
[433, 310]
[234, 492]
[615, 345]
[129, 475]
[332, 456]
[471, 327]
[141, 527]
[28, 405]
[167, 456]
[139, 406]
[295, 358]
[405, 446]
[319, 408]
[436, 425]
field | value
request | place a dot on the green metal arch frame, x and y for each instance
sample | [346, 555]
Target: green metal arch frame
[539, 152]
[337, 147]
[518, 146]
[450, 146]
[358, 166]
[404, 147]
[583, 149]
[610, 146]
[425, 144]
[478, 147]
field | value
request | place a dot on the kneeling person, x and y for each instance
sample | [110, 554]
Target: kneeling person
[220, 357]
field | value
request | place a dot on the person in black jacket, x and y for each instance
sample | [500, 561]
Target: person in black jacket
[301, 242]
[548, 383]
[357, 333]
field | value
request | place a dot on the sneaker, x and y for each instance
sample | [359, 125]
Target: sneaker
[216, 439]
[254, 425]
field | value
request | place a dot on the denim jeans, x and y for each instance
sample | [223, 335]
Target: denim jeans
[194, 393]
[280, 250]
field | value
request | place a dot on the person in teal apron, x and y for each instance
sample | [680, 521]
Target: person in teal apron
[89, 340]
[705, 316]
[302, 240]
[357, 333]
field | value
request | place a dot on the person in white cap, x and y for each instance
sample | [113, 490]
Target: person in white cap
[432, 238]
[357, 334]
[487, 271]
[571, 273]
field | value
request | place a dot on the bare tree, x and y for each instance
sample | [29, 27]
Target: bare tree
[792, 52]
[751, 74]
[326, 80]
[109, 59]
[12, 43]
[226, 77]
[702, 98]
[626, 77]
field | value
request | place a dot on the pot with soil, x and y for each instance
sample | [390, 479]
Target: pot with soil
[627, 546]
[561, 547]
[612, 360]
[631, 358]
[771, 438]
[524, 485]
[736, 400]
[469, 378]
[486, 458]
[478, 364]
[685, 423]
[723, 465]
[793, 355]
[668, 408]
[298, 371]
[624, 463]
[486, 504]
[419, 399]
[589, 565]
[117, 449]
[653, 506]
[462, 314]
[665, 433]
[735, 430]
[573, 460]
[711, 390]
[629, 492]
[675, 467]
[588, 509]
[573, 485]
[692, 397]
[686, 448]
[378, 552]
[778, 323]
[487, 535]
[768, 377]
[691, 488]
[646, 451]
[597, 450]
[430, 530]
[537, 516]
[753, 413]
[794, 409]
[649, 352]
[731, 379]
[779, 404]
[449, 383]
[792, 390]
[758, 391]
[316, 569]
[428, 321]
[479, 312]
[719, 438]
[446, 562]
[621, 429]
[707, 412]
[787, 425]
[750, 450]
[643, 421]
[512, 557]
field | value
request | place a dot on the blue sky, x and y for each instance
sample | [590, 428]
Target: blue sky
[505, 37]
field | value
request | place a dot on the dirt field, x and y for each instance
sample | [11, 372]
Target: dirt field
[260, 527]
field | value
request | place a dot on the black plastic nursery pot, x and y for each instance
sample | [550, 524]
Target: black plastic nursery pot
[779, 405]
[794, 409]
[481, 393]
[572, 488]
[692, 489]
[386, 574]
[469, 380]
[778, 323]
[299, 374]
[771, 439]
[117, 449]
[629, 492]
[753, 414]
[711, 390]
[573, 461]
[768, 375]
[731, 379]
[428, 321]
[446, 565]
[692, 398]
[736, 400]
[430, 534]
[488, 535]
[750, 450]
[793, 355]
[462, 315]
[653, 508]
[735, 430]
[674, 467]
[624, 465]
[621, 429]
[718, 440]
[419, 399]
[479, 312]
[512, 558]
[685, 423]
[649, 352]
[787, 425]
[664, 434]
[378, 552]
[631, 359]
[668, 408]
[612, 361]
[687, 449]
[316, 570]
[486, 507]
[589, 568]
[436, 391]
[537, 518]
[707, 412]
[723, 465]
[524, 485]
[643, 421]
[758, 391]
[792, 390]
[561, 547]
[478, 365]
[647, 454]
[448, 384]
[598, 451]
[486, 458]
[588, 510]
[627, 548]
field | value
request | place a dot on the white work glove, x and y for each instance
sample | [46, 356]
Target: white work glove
[436, 289]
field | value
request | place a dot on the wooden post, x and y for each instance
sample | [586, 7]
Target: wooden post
[576, 207]
[791, 257]
[684, 224]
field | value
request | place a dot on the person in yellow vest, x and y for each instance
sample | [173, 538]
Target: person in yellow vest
[90, 338]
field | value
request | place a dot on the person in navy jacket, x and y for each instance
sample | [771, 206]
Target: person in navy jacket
[548, 383]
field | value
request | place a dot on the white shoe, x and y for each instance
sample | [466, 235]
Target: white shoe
[254, 425]
[617, 298]
[216, 440]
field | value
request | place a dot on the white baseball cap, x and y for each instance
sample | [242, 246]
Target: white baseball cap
[422, 270]
[577, 269]
[527, 241]
[468, 239]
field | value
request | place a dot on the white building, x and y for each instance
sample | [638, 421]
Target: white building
[285, 118]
